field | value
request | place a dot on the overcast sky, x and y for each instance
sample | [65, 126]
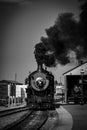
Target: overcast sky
[22, 24]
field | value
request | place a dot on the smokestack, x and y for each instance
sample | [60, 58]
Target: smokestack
[39, 67]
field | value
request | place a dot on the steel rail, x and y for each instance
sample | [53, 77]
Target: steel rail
[42, 123]
[12, 111]
[35, 118]
[38, 122]
[12, 126]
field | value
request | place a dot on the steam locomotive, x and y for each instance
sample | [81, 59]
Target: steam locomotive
[40, 89]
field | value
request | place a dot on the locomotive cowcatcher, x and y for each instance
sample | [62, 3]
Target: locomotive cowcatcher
[40, 89]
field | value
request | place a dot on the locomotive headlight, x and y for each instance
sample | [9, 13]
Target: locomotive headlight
[40, 82]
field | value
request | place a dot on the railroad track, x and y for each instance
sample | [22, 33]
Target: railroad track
[32, 121]
[12, 111]
[43, 123]
[17, 122]
[38, 121]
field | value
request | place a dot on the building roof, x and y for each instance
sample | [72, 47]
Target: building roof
[10, 81]
[74, 68]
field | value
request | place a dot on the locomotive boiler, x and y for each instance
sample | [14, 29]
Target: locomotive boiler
[40, 89]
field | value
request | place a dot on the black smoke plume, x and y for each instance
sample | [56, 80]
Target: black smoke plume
[62, 38]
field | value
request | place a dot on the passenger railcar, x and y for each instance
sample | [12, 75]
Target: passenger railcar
[40, 90]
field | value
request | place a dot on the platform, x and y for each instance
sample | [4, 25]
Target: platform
[65, 121]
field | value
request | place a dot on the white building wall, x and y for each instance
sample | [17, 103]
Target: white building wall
[77, 71]
[24, 87]
[18, 90]
[9, 90]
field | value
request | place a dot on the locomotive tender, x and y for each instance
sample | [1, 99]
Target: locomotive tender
[40, 90]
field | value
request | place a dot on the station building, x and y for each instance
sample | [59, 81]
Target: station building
[75, 76]
[12, 93]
